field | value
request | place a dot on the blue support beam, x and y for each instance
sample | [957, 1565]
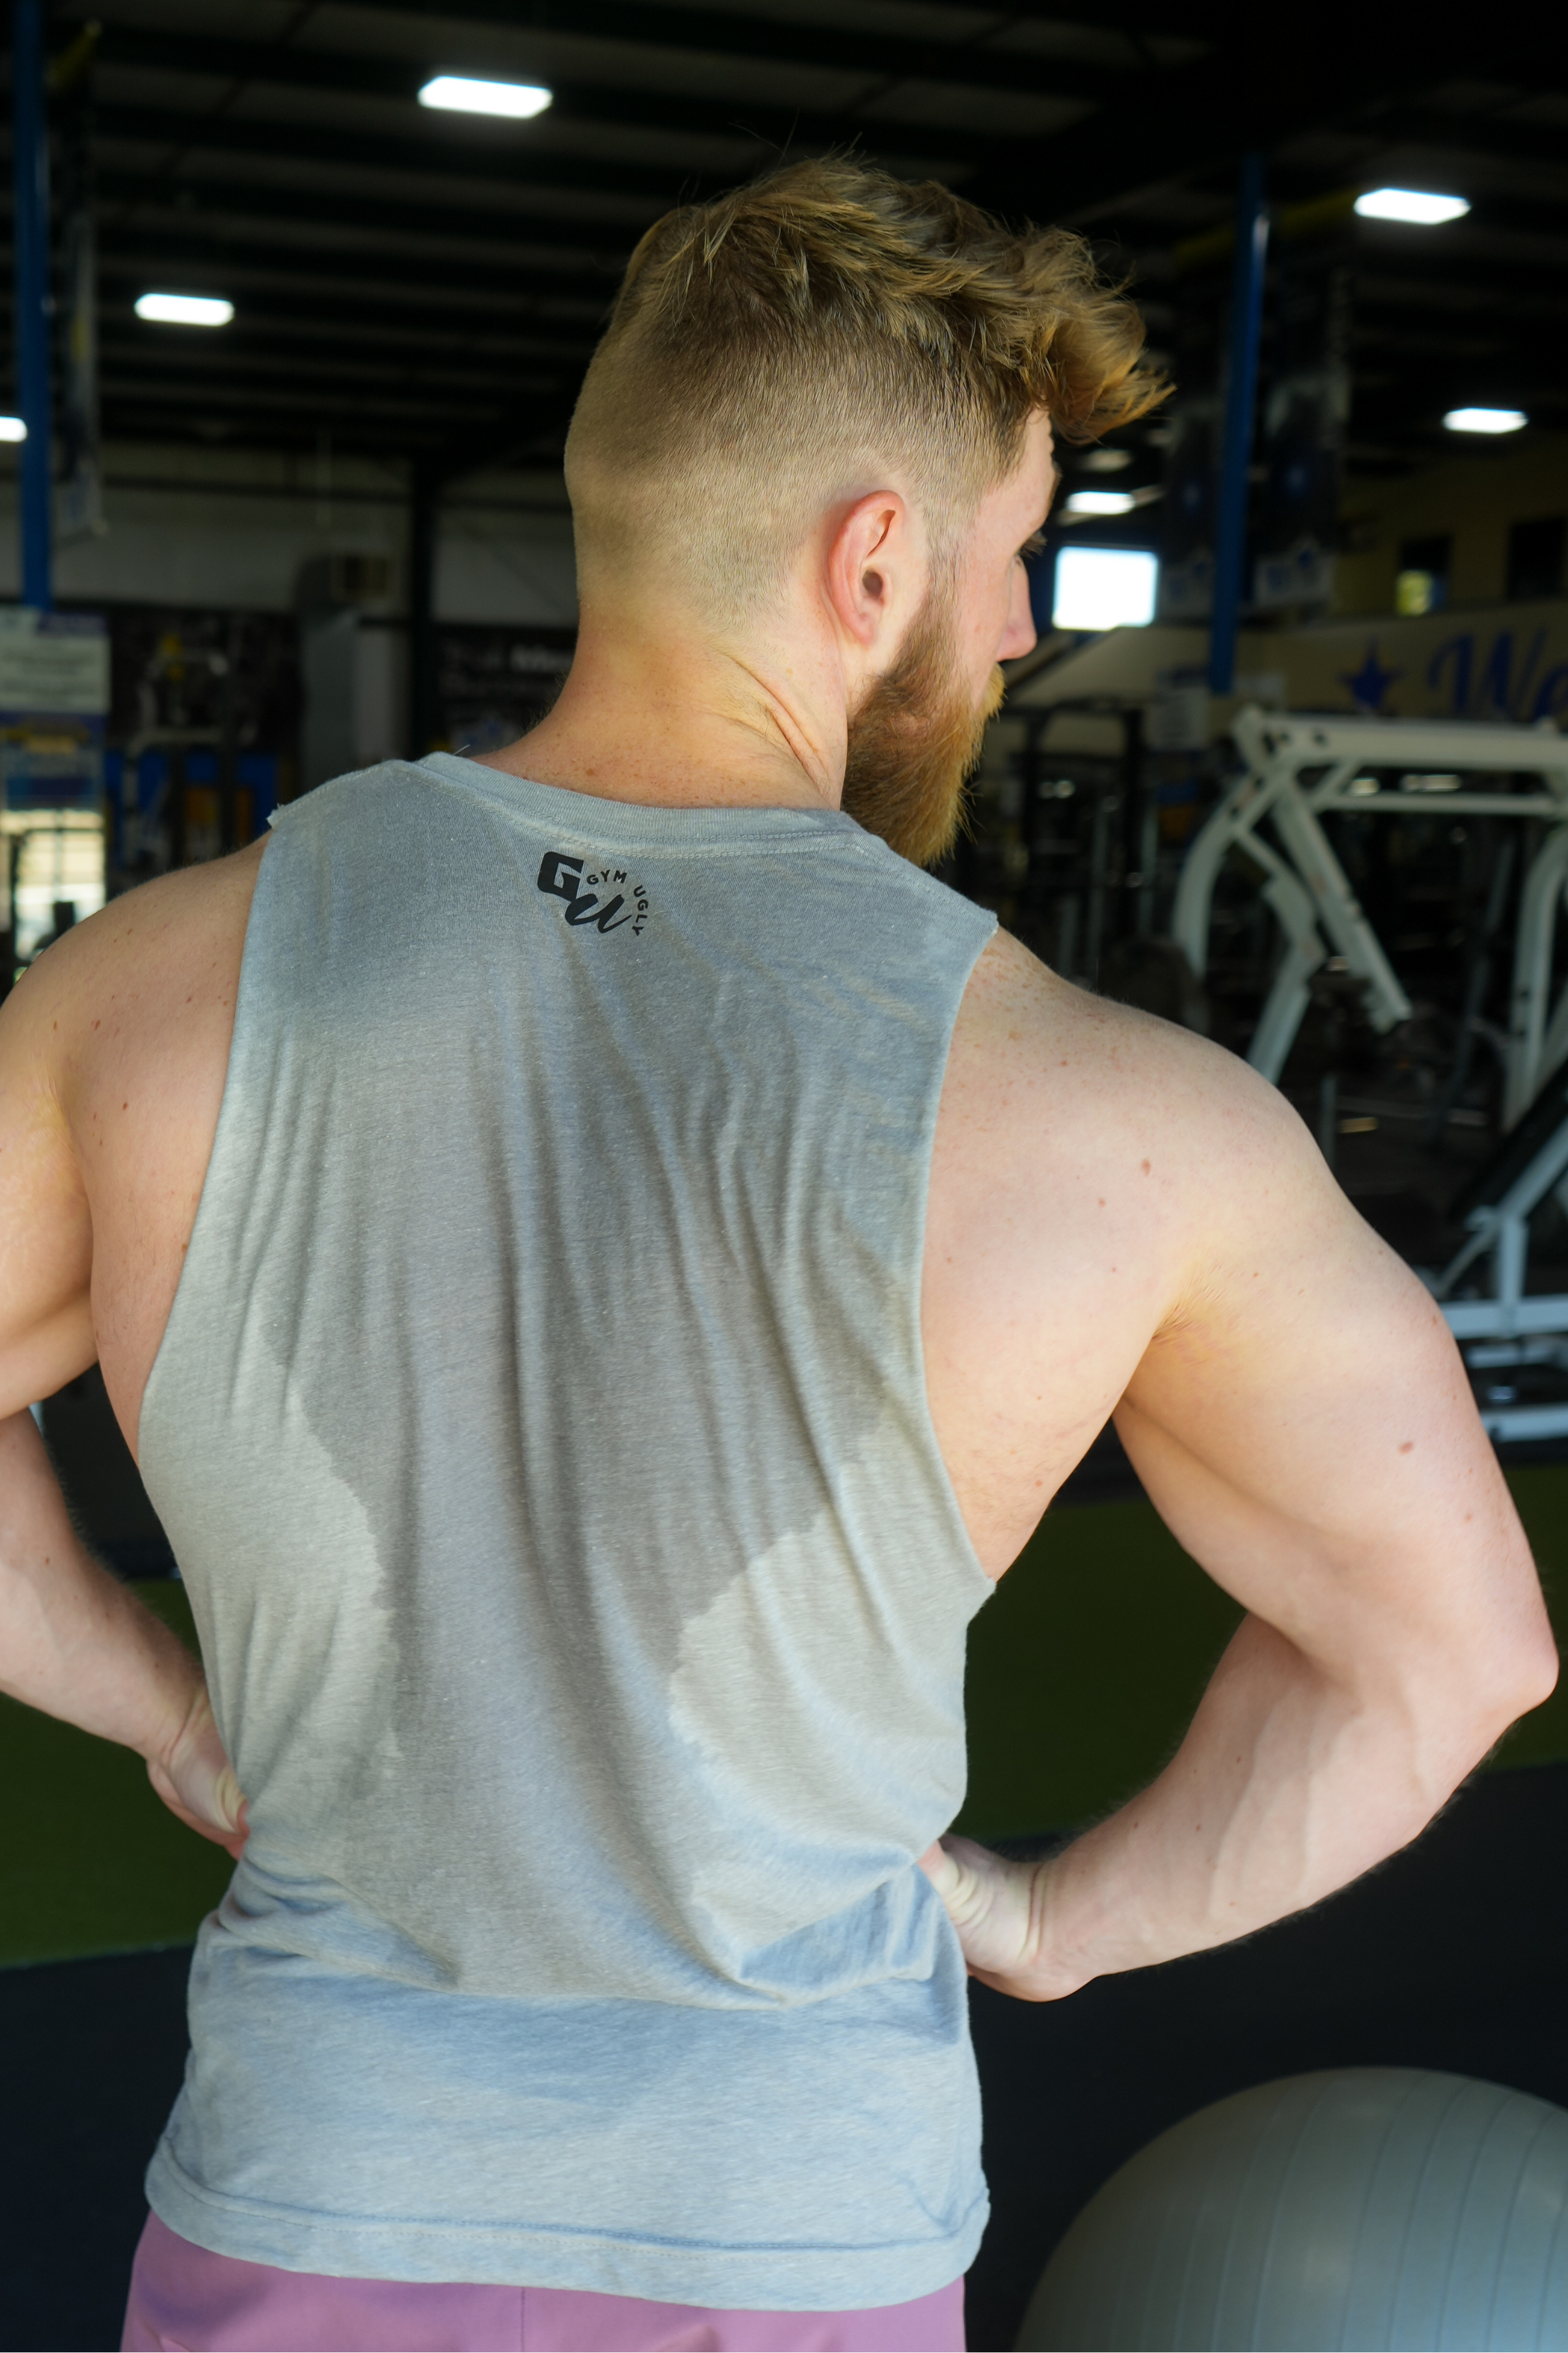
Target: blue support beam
[30, 149]
[1240, 409]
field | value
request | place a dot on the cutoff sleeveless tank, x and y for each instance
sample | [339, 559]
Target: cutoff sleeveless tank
[540, 1428]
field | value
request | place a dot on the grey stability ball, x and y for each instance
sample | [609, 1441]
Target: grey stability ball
[1369, 2206]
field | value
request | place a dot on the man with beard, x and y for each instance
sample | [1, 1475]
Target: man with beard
[657, 1253]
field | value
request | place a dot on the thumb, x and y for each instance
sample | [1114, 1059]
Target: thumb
[196, 1781]
[955, 1867]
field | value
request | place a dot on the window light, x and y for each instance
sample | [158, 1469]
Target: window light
[186, 310]
[1420, 208]
[1099, 502]
[1105, 588]
[459, 95]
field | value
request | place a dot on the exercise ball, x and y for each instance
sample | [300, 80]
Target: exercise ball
[1367, 2207]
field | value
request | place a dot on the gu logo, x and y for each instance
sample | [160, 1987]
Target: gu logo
[561, 877]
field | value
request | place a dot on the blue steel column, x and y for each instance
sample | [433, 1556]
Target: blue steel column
[29, 139]
[1241, 401]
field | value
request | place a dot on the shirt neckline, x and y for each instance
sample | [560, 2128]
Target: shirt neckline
[578, 813]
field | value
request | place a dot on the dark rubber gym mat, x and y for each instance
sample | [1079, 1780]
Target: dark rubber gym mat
[1452, 1955]
[94, 2052]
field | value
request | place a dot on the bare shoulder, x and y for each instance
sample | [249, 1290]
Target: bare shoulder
[1092, 1167]
[1043, 1072]
[1016, 1010]
[113, 1054]
[1122, 1214]
[163, 947]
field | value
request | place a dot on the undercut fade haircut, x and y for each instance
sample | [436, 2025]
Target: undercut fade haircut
[814, 336]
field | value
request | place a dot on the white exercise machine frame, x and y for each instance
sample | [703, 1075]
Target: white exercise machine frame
[1512, 1329]
[1319, 914]
[1309, 892]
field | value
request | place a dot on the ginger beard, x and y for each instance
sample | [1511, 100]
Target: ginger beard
[915, 741]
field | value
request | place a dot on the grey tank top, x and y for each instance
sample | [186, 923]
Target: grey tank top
[540, 1428]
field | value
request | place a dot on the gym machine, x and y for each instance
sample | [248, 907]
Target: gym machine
[1297, 770]
[1078, 849]
[1521, 1338]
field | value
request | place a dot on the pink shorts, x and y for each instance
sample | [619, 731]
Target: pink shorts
[181, 2296]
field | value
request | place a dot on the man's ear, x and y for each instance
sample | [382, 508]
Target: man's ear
[871, 560]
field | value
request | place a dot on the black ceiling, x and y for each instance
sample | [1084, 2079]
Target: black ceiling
[428, 283]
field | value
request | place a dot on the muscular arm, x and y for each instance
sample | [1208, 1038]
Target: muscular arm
[74, 1641]
[1302, 1422]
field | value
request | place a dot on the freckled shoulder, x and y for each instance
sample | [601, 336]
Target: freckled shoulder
[1055, 1096]
[116, 982]
[1027, 1033]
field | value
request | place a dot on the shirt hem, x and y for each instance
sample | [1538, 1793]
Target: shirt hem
[761, 2279]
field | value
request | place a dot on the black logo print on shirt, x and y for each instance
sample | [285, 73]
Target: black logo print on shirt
[561, 877]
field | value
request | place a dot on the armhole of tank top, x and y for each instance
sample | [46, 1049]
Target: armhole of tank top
[224, 1121]
[983, 1584]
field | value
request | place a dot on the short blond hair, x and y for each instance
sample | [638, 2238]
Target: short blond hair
[805, 336]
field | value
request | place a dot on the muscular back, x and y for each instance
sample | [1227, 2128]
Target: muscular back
[1118, 1212]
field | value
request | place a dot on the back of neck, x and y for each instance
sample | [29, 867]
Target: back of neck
[666, 717]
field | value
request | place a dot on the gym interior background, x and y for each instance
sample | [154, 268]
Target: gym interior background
[296, 335]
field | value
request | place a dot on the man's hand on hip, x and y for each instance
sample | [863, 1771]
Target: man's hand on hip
[1001, 1911]
[196, 1781]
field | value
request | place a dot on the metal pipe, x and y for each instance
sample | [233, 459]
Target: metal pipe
[1241, 401]
[423, 533]
[30, 148]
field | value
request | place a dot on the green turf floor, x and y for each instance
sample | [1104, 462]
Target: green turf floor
[90, 1862]
[1082, 1673]
[1085, 1668]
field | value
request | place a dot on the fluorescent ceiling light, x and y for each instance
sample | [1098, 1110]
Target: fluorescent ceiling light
[1485, 420]
[13, 428]
[1105, 588]
[460, 96]
[1422, 207]
[186, 310]
[1105, 461]
[1105, 502]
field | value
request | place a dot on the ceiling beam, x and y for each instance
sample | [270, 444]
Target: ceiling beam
[349, 396]
[261, 318]
[133, 421]
[195, 203]
[1201, 21]
[528, 426]
[1509, 294]
[280, 344]
[321, 146]
[1488, 136]
[133, 262]
[576, 99]
[1194, 122]
[972, 62]
[308, 367]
